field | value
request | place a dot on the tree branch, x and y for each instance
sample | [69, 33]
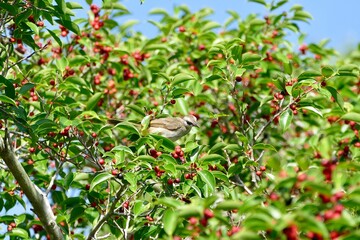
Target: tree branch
[109, 213]
[36, 197]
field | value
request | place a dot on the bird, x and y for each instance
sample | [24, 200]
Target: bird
[172, 128]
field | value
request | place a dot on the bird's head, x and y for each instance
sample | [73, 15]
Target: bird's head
[190, 121]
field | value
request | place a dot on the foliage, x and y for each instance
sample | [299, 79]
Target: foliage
[276, 156]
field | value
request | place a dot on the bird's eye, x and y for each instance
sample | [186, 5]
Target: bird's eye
[189, 123]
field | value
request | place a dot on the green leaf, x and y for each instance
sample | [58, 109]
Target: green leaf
[26, 87]
[74, 5]
[309, 74]
[167, 143]
[182, 77]
[61, 64]
[229, 205]
[56, 38]
[77, 81]
[33, 27]
[132, 179]
[313, 109]
[124, 26]
[210, 25]
[263, 146]
[6, 99]
[169, 202]
[179, 92]
[209, 179]
[250, 57]
[61, 6]
[351, 70]
[221, 176]
[100, 178]
[217, 147]
[258, 1]
[256, 22]
[9, 89]
[158, 11]
[170, 221]
[288, 67]
[285, 120]
[302, 16]
[327, 71]
[189, 211]
[145, 158]
[351, 116]
[211, 158]
[128, 127]
[234, 147]
[93, 101]
[339, 100]
[137, 109]
[122, 148]
[114, 5]
[240, 71]
[76, 213]
[69, 25]
[19, 232]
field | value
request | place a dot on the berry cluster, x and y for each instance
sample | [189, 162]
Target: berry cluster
[178, 154]
[329, 167]
[154, 153]
[96, 23]
[64, 31]
[158, 171]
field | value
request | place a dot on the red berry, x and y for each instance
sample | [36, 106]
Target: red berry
[339, 195]
[172, 101]
[238, 78]
[204, 222]
[208, 213]
[114, 172]
[182, 29]
[302, 177]
[262, 168]
[94, 135]
[157, 169]
[170, 181]
[193, 220]
[101, 161]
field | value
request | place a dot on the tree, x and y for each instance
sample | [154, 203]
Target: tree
[276, 156]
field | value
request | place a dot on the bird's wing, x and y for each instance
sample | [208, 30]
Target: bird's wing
[168, 123]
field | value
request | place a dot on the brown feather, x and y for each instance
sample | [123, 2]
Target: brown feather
[168, 123]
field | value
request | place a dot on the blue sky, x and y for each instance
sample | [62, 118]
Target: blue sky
[336, 20]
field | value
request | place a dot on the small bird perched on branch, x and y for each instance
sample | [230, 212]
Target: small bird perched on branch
[170, 127]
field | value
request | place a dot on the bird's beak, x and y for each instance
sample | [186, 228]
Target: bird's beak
[196, 125]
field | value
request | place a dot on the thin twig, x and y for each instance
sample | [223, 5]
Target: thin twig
[127, 224]
[29, 56]
[262, 129]
[238, 180]
[109, 213]
[240, 183]
[53, 179]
